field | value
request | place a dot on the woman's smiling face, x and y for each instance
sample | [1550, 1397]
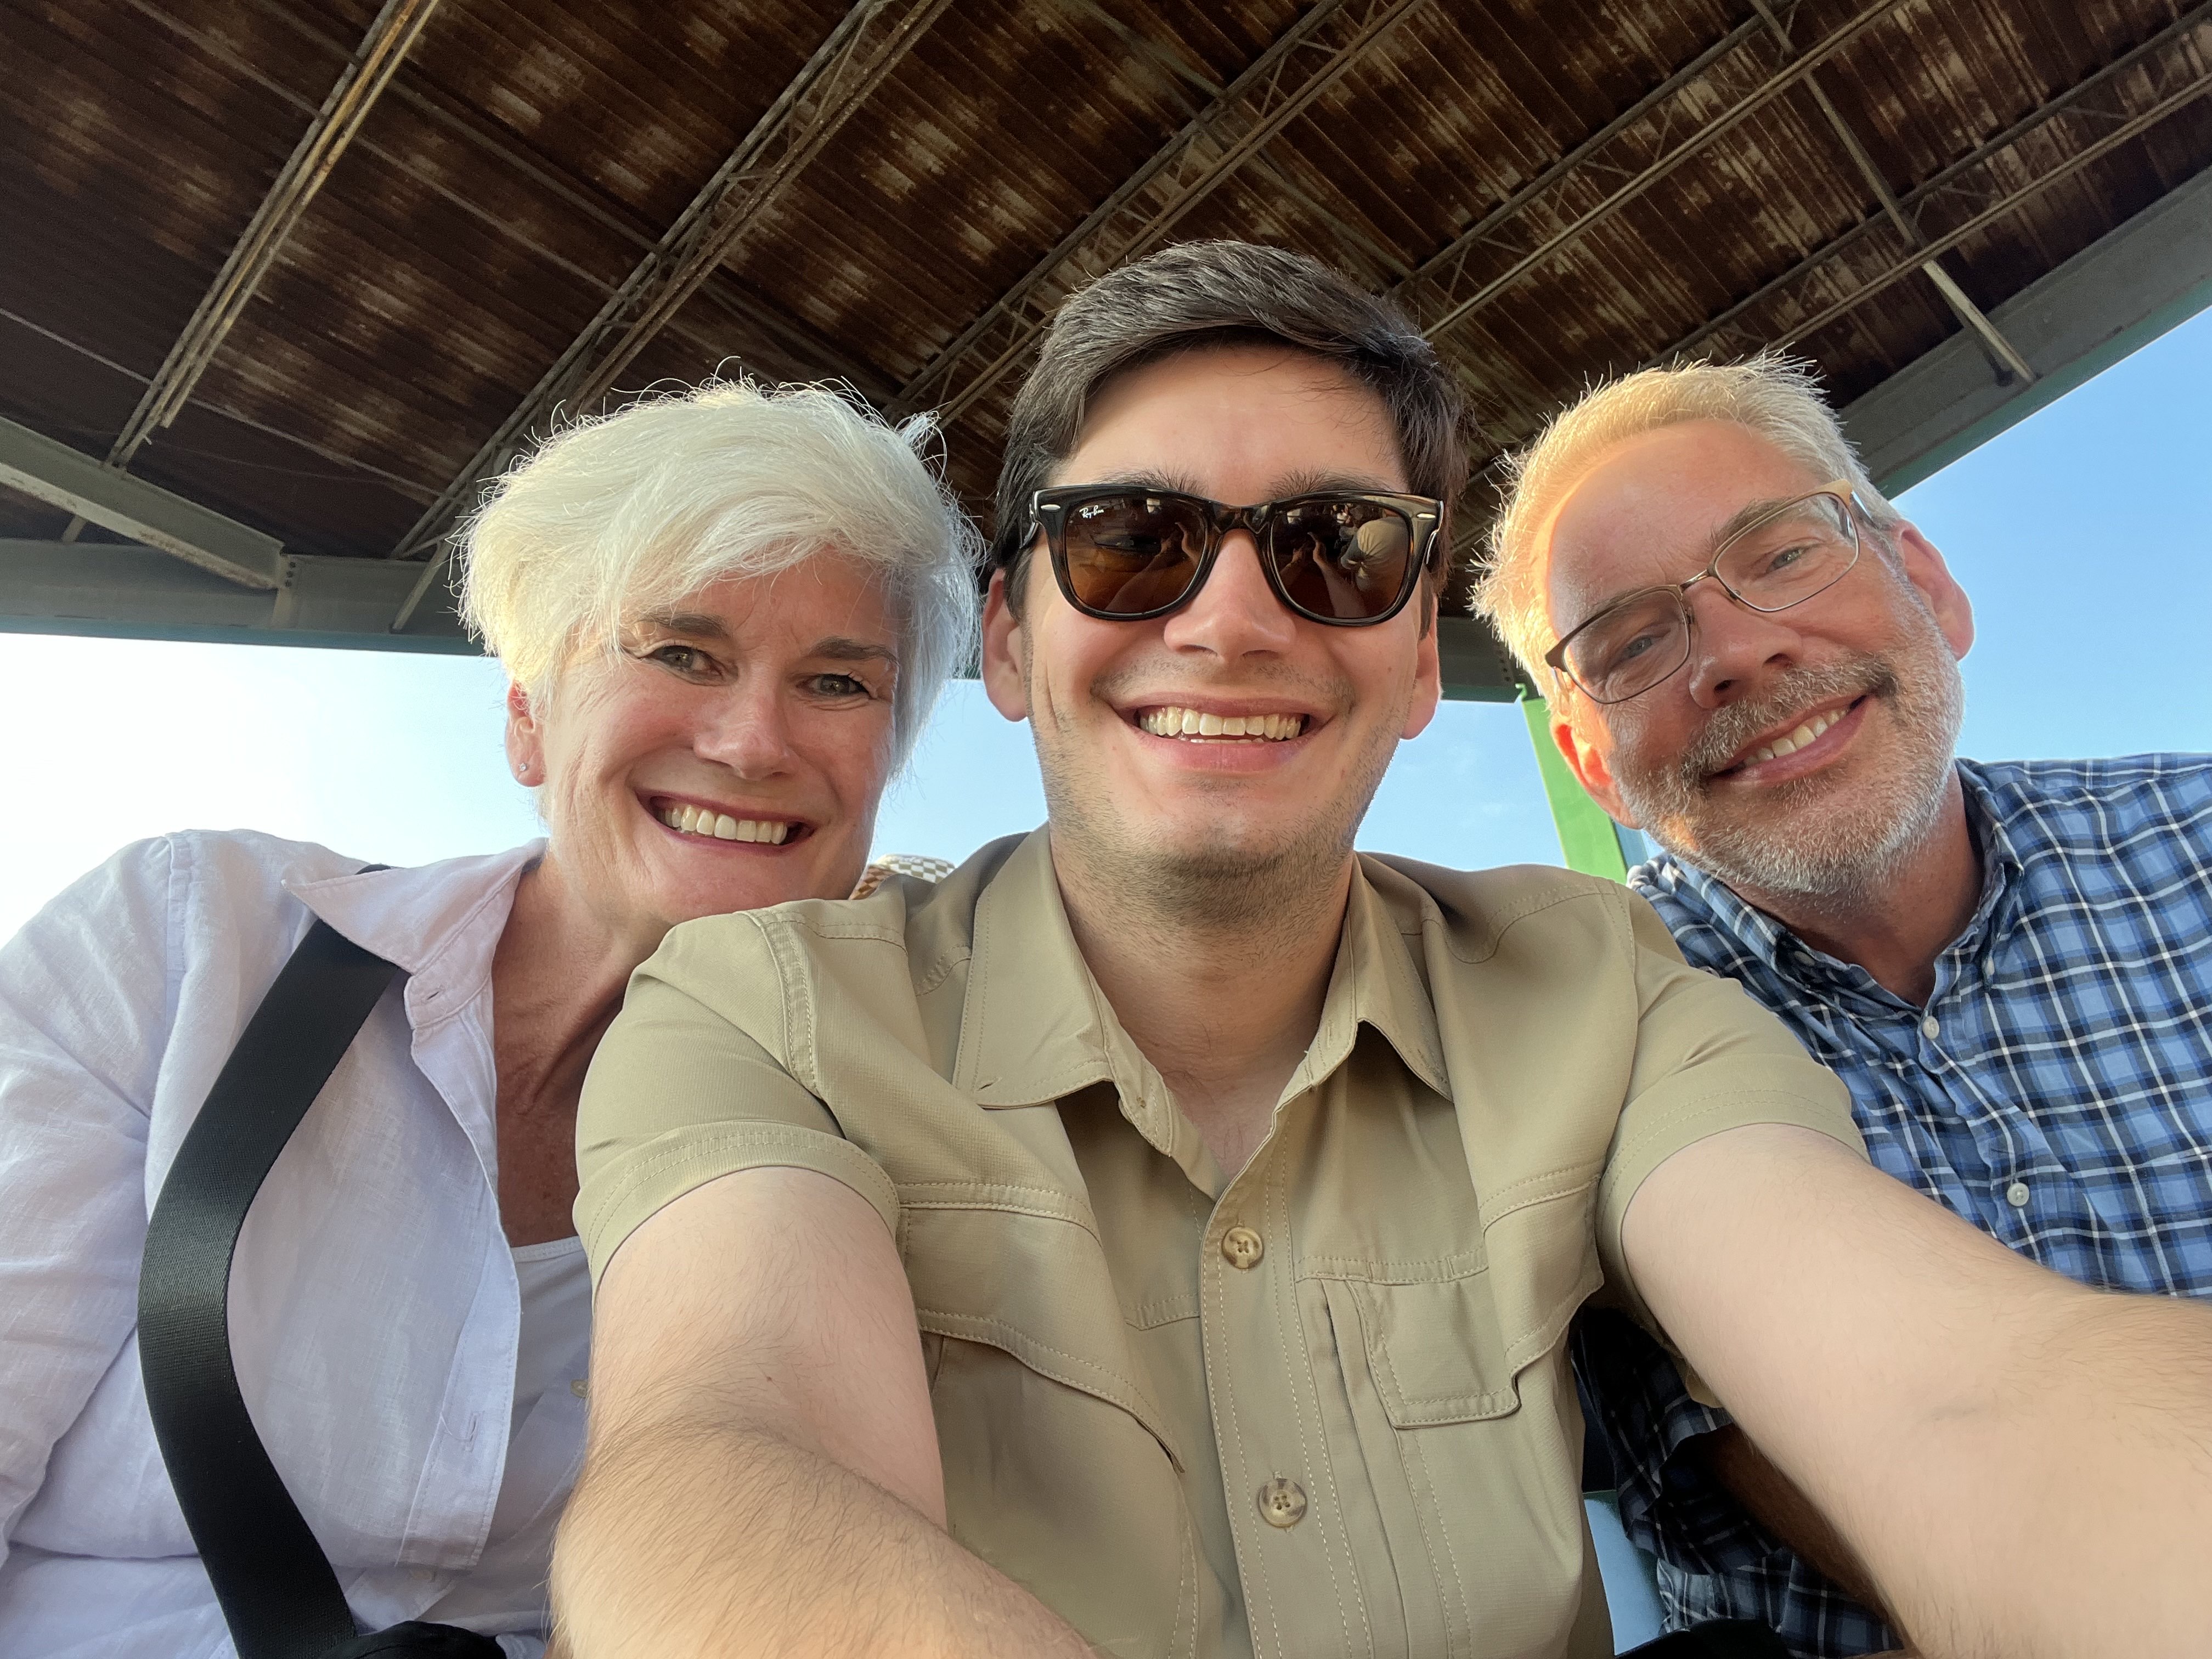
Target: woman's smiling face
[730, 755]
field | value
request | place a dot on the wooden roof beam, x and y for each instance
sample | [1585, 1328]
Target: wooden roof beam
[1297, 67]
[863, 49]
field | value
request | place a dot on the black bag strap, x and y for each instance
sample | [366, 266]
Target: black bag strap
[278, 1593]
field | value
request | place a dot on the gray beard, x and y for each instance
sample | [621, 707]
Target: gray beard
[1821, 845]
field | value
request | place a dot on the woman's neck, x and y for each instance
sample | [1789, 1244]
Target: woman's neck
[558, 978]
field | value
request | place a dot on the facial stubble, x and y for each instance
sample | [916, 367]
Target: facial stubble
[1209, 878]
[1817, 838]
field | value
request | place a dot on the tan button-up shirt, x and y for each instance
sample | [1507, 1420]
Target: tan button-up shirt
[1321, 1407]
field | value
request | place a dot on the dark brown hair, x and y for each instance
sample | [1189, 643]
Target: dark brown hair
[1206, 294]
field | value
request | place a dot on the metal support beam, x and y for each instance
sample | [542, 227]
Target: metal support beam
[2115, 296]
[318, 151]
[2103, 95]
[1477, 668]
[99, 589]
[1446, 295]
[1442, 273]
[1297, 67]
[1955, 180]
[51, 471]
[442, 108]
[863, 49]
[2142, 121]
[2003, 357]
[1285, 171]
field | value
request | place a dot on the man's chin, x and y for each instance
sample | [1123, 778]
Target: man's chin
[1803, 842]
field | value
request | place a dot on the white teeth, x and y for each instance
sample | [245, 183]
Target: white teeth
[1797, 739]
[720, 826]
[1177, 722]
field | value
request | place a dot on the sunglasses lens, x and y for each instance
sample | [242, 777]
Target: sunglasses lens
[1131, 554]
[1341, 558]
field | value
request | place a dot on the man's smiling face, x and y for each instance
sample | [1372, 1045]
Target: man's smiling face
[1191, 755]
[1801, 751]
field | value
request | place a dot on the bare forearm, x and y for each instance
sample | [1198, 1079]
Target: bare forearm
[2080, 1497]
[1774, 1499]
[707, 1542]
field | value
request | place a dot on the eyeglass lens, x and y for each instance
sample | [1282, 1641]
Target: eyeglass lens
[1334, 557]
[1800, 552]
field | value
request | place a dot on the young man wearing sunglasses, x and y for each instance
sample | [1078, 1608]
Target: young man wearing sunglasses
[1752, 656]
[1160, 1236]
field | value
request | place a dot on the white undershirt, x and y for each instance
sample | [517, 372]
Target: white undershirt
[506, 1589]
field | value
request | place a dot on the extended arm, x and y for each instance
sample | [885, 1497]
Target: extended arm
[2023, 1465]
[1750, 1475]
[763, 1474]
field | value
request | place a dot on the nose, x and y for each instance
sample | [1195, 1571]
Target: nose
[1235, 614]
[749, 730]
[1733, 647]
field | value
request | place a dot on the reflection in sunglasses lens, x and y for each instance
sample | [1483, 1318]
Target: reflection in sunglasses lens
[1341, 558]
[1127, 555]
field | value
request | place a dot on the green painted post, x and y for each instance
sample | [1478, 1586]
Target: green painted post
[1590, 841]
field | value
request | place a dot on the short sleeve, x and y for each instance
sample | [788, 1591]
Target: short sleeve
[1708, 1059]
[677, 1097]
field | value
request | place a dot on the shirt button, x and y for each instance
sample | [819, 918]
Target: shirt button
[581, 1389]
[1282, 1502]
[1931, 1028]
[2017, 1194]
[1244, 1248]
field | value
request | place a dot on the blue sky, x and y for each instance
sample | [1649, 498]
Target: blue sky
[2082, 534]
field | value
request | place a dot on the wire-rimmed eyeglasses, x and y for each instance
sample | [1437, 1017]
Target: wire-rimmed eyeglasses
[1803, 548]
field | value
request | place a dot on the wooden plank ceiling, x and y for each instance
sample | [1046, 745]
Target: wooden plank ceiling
[548, 199]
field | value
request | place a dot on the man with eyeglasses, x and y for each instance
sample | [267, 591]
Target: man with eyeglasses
[1159, 1237]
[1754, 658]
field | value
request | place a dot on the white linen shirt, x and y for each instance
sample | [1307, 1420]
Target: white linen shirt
[374, 1306]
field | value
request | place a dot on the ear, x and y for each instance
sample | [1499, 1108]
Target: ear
[1003, 653]
[1925, 569]
[1428, 674]
[1587, 762]
[525, 738]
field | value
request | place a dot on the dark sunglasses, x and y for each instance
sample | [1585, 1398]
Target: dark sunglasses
[1345, 558]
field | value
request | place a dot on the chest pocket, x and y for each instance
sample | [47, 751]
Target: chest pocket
[1469, 1450]
[1059, 1467]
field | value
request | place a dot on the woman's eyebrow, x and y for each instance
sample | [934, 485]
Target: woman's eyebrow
[839, 648]
[697, 624]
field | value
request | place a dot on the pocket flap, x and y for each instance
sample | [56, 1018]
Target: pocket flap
[1035, 1286]
[1435, 1351]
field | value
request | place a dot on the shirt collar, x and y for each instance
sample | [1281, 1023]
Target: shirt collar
[1782, 950]
[439, 923]
[1037, 1028]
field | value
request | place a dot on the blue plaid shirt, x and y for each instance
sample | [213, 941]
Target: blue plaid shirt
[2055, 1091]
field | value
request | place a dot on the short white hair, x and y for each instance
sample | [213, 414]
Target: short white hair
[631, 514]
[1775, 396]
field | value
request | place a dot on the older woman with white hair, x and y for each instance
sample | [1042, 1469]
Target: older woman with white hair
[726, 617]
